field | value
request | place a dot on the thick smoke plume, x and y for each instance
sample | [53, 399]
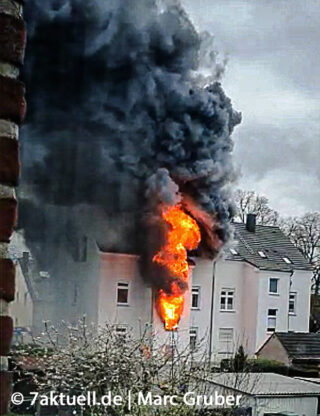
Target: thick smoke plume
[125, 110]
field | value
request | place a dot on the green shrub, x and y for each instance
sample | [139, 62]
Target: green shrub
[264, 365]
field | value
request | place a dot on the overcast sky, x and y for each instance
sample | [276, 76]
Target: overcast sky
[273, 78]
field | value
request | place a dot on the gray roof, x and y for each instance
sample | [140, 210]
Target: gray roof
[300, 345]
[265, 384]
[273, 243]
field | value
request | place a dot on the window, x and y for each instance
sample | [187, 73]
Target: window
[226, 334]
[287, 260]
[234, 252]
[273, 285]
[292, 302]
[193, 338]
[225, 340]
[122, 293]
[121, 331]
[227, 300]
[262, 254]
[195, 297]
[272, 320]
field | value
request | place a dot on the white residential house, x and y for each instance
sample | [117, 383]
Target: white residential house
[260, 285]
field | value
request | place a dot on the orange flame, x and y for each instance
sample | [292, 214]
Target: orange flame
[184, 234]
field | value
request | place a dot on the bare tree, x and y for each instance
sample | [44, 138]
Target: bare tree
[102, 361]
[304, 232]
[248, 202]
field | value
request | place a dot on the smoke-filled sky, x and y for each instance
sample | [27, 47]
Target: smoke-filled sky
[273, 78]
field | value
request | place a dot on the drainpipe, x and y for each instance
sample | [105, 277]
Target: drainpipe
[211, 312]
[12, 109]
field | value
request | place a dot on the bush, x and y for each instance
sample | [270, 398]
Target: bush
[263, 365]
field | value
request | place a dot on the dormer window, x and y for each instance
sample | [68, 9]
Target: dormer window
[262, 254]
[234, 252]
[287, 260]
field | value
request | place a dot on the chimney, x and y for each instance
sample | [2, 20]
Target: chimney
[251, 223]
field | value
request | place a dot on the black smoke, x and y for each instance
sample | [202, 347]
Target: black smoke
[124, 108]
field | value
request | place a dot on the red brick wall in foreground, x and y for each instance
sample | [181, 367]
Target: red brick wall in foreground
[12, 110]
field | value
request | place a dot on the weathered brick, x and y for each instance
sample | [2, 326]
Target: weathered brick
[5, 391]
[12, 102]
[8, 218]
[9, 161]
[12, 39]
[7, 279]
[6, 334]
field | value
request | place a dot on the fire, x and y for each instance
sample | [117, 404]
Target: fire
[184, 234]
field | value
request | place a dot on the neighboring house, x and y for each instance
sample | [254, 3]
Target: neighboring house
[268, 394]
[26, 309]
[21, 309]
[293, 349]
[261, 285]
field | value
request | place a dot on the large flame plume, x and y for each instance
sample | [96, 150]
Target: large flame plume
[183, 235]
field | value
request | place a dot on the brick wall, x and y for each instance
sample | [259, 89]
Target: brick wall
[12, 110]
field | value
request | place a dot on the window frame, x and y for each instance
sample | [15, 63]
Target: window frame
[193, 335]
[195, 290]
[272, 329]
[227, 296]
[226, 345]
[126, 285]
[295, 295]
[269, 286]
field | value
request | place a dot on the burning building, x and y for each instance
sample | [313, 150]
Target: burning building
[136, 158]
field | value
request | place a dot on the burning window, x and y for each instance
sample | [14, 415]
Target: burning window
[193, 338]
[195, 297]
[272, 320]
[292, 302]
[122, 293]
[227, 300]
[273, 285]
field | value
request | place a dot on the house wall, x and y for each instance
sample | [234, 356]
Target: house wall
[230, 275]
[297, 405]
[266, 300]
[74, 287]
[301, 284]
[243, 279]
[140, 314]
[302, 406]
[200, 318]
[274, 350]
[137, 314]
